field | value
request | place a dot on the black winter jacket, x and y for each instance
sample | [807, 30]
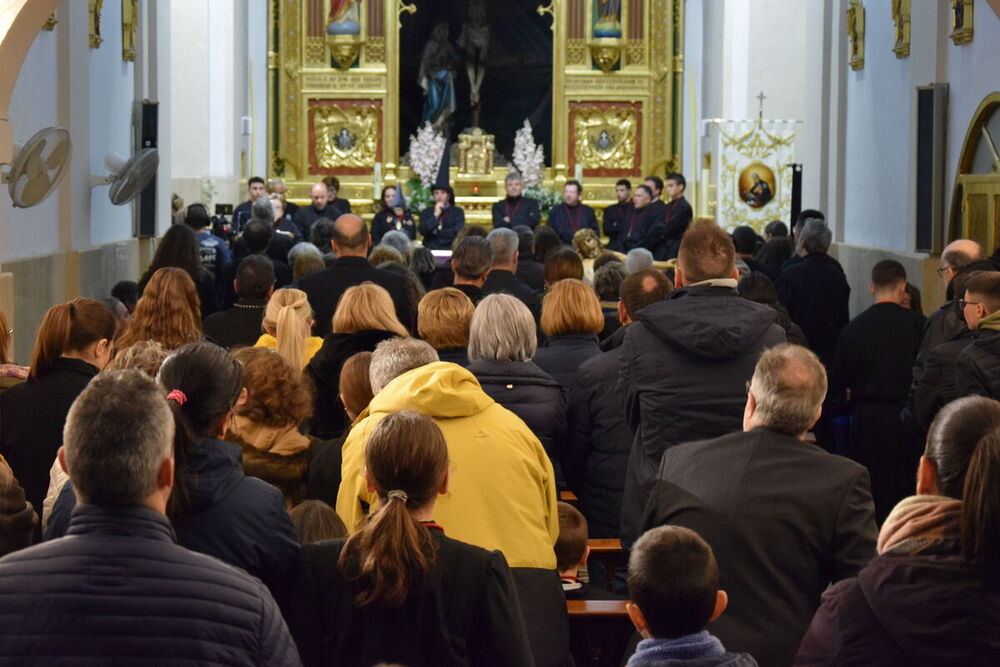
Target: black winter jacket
[905, 610]
[815, 292]
[329, 420]
[531, 394]
[118, 590]
[977, 370]
[685, 365]
[936, 386]
[599, 442]
[562, 355]
[238, 519]
[32, 416]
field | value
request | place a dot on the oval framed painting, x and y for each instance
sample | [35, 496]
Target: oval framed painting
[757, 185]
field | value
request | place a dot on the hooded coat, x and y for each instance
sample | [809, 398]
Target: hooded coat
[685, 364]
[238, 519]
[501, 494]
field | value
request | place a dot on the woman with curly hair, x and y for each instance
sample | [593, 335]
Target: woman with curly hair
[167, 312]
[288, 321]
[179, 248]
[266, 423]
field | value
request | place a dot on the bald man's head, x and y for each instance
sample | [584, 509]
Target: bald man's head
[350, 236]
[643, 288]
[318, 195]
[957, 255]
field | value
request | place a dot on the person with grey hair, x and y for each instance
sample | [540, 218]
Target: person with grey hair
[502, 277]
[501, 489]
[638, 259]
[469, 263]
[400, 241]
[797, 517]
[396, 356]
[502, 342]
[515, 209]
[119, 582]
[302, 248]
[815, 292]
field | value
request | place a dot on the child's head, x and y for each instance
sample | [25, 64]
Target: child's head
[571, 547]
[673, 583]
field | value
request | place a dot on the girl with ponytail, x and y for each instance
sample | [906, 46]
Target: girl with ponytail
[215, 509]
[929, 597]
[400, 590]
[72, 346]
[288, 321]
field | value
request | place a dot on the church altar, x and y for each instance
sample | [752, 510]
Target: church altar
[349, 78]
[750, 175]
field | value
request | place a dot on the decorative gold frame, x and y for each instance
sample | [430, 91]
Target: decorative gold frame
[95, 23]
[647, 75]
[977, 196]
[962, 21]
[130, 23]
[856, 34]
[901, 22]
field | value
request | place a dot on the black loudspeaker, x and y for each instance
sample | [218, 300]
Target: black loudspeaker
[932, 119]
[796, 193]
[145, 124]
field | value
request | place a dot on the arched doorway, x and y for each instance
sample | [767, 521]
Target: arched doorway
[975, 207]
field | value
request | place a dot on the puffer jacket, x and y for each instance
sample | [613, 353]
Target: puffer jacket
[562, 355]
[685, 365]
[599, 442]
[501, 492]
[531, 394]
[238, 519]
[118, 589]
[977, 370]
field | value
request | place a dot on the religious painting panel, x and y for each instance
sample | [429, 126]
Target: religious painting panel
[606, 138]
[472, 63]
[961, 21]
[344, 136]
[855, 25]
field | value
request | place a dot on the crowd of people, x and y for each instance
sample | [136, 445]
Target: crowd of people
[320, 443]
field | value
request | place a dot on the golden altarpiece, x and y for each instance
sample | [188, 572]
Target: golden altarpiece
[334, 98]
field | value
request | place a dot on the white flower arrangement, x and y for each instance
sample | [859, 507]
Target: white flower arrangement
[426, 149]
[529, 159]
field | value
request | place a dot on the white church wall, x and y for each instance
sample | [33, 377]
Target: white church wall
[34, 105]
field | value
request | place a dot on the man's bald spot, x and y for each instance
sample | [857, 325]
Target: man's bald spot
[350, 232]
[319, 188]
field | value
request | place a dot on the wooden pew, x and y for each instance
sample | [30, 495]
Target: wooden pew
[599, 631]
[610, 554]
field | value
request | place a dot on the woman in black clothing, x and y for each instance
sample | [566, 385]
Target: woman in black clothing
[391, 214]
[73, 345]
[365, 317]
[400, 591]
[571, 320]
[179, 248]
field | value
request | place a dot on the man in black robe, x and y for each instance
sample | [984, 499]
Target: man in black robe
[255, 190]
[677, 216]
[872, 367]
[516, 209]
[571, 216]
[616, 216]
[440, 223]
[645, 226]
[319, 207]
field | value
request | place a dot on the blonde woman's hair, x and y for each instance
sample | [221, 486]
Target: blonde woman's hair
[367, 306]
[288, 317]
[443, 318]
[571, 307]
[502, 329]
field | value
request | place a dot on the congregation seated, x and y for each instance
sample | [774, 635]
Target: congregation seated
[265, 422]
[240, 324]
[674, 594]
[167, 312]
[444, 318]
[571, 320]
[572, 553]
[364, 317]
[470, 262]
[502, 344]
[118, 582]
[414, 287]
[401, 243]
[502, 276]
[73, 344]
[529, 270]
[607, 283]
[400, 590]
[423, 264]
[287, 324]
[546, 242]
[784, 517]
[929, 597]
[216, 510]
[502, 491]
[383, 253]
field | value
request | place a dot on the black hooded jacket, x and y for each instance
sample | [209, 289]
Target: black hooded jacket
[684, 368]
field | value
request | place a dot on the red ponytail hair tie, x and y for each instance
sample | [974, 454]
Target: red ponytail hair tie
[177, 395]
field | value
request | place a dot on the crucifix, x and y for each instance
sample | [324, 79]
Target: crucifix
[760, 98]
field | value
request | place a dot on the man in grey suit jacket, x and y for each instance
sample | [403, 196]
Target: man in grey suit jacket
[784, 517]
